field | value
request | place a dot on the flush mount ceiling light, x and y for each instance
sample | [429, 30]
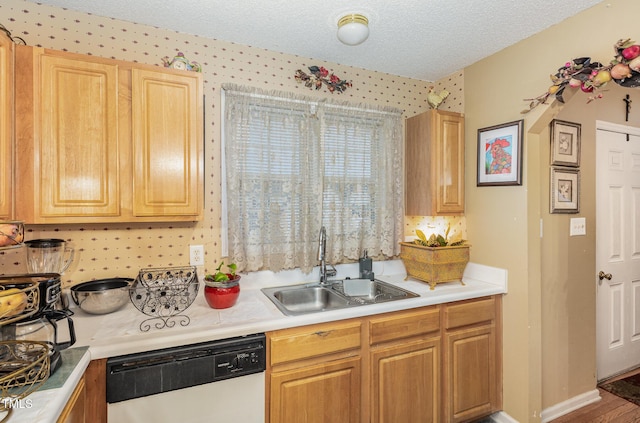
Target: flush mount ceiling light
[353, 29]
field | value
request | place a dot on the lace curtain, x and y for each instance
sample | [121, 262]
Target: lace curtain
[294, 164]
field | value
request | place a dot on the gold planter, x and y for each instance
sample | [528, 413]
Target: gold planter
[434, 264]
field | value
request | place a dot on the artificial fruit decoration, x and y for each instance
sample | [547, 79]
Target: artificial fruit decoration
[620, 71]
[601, 78]
[586, 88]
[623, 69]
[631, 52]
[574, 83]
[634, 65]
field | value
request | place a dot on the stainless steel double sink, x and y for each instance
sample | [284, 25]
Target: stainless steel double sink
[295, 300]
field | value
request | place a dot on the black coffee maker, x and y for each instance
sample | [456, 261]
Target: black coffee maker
[44, 324]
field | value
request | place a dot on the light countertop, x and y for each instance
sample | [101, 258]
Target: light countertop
[120, 332]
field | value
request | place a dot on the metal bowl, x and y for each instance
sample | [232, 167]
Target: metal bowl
[101, 296]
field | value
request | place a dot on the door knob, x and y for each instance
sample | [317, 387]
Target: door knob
[603, 275]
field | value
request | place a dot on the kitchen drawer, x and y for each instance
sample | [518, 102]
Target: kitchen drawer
[404, 324]
[469, 312]
[312, 341]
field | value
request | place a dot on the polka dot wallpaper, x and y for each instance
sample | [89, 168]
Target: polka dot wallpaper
[120, 250]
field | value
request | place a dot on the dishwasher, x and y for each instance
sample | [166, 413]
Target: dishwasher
[218, 381]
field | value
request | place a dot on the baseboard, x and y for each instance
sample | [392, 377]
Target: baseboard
[502, 417]
[569, 405]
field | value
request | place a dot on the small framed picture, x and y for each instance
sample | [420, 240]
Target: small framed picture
[500, 154]
[565, 143]
[565, 190]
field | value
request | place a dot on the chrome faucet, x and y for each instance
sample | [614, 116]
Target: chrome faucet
[322, 252]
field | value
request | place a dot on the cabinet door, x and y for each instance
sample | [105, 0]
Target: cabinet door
[74, 411]
[6, 126]
[405, 382]
[449, 164]
[325, 392]
[471, 379]
[96, 391]
[167, 144]
[434, 164]
[76, 154]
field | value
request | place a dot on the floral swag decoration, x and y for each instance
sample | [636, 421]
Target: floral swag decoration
[623, 69]
[320, 76]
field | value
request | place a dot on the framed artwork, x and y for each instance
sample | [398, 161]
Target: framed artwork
[500, 154]
[565, 143]
[565, 190]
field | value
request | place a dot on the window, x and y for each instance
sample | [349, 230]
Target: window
[294, 164]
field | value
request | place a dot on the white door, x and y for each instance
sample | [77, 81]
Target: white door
[617, 249]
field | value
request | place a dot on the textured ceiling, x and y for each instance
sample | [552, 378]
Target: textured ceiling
[421, 39]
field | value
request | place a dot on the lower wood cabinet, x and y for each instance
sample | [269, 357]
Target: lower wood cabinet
[440, 363]
[96, 396]
[472, 359]
[318, 393]
[471, 373]
[74, 410]
[405, 382]
[314, 373]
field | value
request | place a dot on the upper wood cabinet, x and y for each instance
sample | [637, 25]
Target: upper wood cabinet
[100, 140]
[434, 164]
[6, 126]
[167, 144]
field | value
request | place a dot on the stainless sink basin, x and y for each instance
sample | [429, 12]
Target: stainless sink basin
[310, 299]
[295, 300]
[365, 291]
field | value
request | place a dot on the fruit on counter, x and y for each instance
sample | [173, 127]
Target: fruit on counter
[221, 276]
[12, 302]
[631, 52]
[11, 234]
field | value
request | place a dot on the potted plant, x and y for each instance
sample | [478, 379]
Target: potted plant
[436, 259]
[222, 289]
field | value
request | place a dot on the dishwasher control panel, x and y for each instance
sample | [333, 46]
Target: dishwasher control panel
[239, 363]
[153, 372]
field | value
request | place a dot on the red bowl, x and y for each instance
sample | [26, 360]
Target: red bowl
[222, 294]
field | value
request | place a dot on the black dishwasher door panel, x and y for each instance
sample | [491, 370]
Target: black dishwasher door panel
[154, 372]
[143, 381]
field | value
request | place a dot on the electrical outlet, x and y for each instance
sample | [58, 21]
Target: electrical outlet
[578, 226]
[196, 255]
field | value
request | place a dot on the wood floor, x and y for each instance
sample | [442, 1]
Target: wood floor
[609, 409]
